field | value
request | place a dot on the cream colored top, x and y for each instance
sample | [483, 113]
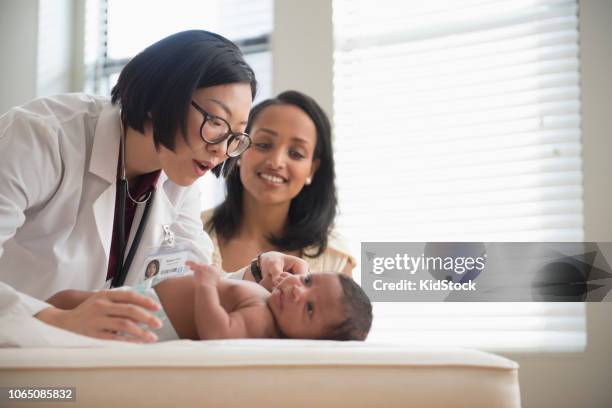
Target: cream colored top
[333, 259]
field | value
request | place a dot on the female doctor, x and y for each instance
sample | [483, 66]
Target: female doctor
[89, 188]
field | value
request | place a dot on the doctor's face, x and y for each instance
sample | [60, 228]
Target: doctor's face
[193, 158]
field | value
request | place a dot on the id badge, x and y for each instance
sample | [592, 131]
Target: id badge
[165, 260]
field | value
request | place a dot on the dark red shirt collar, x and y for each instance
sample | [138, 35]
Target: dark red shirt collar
[144, 183]
[138, 191]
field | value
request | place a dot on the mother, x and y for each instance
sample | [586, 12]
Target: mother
[281, 196]
[84, 180]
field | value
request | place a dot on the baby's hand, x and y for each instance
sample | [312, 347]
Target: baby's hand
[279, 278]
[270, 283]
[204, 274]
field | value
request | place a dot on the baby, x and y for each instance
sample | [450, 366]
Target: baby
[204, 306]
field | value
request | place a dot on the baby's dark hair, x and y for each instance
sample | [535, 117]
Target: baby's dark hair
[357, 311]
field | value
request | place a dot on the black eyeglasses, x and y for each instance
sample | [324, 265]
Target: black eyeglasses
[215, 130]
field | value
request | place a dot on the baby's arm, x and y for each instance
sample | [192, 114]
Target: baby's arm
[211, 319]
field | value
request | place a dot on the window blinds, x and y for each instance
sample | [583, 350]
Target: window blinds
[111, 39]
[460, 121]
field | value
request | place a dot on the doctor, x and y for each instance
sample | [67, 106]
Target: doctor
[89, 187]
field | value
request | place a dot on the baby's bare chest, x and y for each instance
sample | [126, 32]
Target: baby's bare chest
[238, 294]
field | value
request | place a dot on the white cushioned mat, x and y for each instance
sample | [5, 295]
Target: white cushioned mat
[253, 373]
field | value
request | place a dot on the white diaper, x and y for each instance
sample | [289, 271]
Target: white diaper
[166, 332]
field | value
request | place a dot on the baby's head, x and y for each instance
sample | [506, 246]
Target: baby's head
[325, 306]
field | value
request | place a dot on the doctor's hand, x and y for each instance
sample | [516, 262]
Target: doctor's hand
[105, 314]
[69, 299]
[275, 264]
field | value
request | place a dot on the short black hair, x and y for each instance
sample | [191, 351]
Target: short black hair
[159, 82]
[358, 313]
[313, 211]
[153, 262]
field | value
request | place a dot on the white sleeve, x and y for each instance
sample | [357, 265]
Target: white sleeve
[30, 172]
[13, 302]
[239, 274]
[188, 228]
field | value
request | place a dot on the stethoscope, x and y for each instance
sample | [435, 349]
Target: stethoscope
[123, 192]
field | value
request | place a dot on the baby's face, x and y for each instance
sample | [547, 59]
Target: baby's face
[307, 306]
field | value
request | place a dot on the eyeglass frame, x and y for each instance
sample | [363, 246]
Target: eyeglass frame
[229, 135]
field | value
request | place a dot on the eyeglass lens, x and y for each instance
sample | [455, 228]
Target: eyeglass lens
[215, 130]
[237, 144]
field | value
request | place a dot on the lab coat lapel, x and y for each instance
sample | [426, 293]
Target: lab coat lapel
[162, 213]
[103, 163]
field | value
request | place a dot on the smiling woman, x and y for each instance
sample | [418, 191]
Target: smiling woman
[281, 193]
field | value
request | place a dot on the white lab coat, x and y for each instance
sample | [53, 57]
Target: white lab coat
[58, 172]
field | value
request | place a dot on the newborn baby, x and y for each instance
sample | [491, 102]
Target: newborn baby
[204, 306]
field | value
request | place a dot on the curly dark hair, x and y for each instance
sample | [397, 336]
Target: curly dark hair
[313, 211]
[358, 311]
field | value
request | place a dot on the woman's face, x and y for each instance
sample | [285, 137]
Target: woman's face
[151, 270]
[280, 160]
[191, 160]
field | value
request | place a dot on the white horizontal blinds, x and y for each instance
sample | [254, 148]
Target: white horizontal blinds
[510, 327]
[261, 62]
[243, 19]
[460, 121]
[475, 115]
[135, 24]
[250, 22]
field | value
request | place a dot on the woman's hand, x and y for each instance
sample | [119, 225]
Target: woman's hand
[106, 313]
[204, 274]
[274, 264]
[69, 299]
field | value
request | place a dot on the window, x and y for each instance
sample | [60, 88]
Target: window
[460, 121]
[116, 30]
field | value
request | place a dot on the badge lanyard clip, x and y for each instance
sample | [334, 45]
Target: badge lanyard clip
[168, 236]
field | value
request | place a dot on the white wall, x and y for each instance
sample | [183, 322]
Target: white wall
[18, 42]
[303, 49]
[36, 39]
[596, 69]
[54, 62]
[572, 380]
